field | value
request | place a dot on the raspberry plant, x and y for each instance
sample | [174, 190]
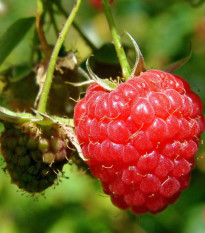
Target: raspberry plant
[136, 132]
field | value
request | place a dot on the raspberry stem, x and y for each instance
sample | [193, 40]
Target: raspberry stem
[76, 26]
[126, 71]
[54, 55]
[39, 27]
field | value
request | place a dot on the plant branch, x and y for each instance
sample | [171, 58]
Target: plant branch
[78, 29]
[39, 27]
[126, 71]
[54, 56]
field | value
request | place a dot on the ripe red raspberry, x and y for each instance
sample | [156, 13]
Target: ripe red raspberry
[97, 4]
[140, 139]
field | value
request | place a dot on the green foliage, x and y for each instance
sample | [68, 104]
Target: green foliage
[14, 34]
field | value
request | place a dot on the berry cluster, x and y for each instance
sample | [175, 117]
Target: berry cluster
[141, 138]
[34, 155]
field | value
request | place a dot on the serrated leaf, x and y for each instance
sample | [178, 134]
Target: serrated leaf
[13, 35]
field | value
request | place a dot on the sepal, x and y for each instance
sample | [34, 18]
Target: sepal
[176, 65]
[139, 65]
[13, 117]
[105, 83]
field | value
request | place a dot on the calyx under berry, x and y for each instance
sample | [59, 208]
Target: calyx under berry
[109, 84]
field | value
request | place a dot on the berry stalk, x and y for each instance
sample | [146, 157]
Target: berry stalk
[126, 71]
[54, 55]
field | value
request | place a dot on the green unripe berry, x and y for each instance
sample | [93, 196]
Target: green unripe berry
[45, 172]
[9, 155]
[48, 157]
[52, 177]
[20, 151]
[32, 143]
[61, 155]
[25, 161]
[12, 143]
[14, 159]
[43, 145]
[56, 144]
[23, 140]
[17, 174]
[33, 170]
[36, 155]
[26, 177]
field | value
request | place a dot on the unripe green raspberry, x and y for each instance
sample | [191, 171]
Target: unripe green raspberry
[34, 155]
[43, 144]
[48, 157]
[56, 144]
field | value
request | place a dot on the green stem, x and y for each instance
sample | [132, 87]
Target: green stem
[54, 56]
[126, 71]
[40, 7]
[78, 29]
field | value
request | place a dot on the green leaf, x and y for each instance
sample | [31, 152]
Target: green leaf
[19, 72]
[195, 220]
[14, 34]
[106, 54]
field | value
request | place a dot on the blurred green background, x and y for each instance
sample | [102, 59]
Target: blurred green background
[166, 31]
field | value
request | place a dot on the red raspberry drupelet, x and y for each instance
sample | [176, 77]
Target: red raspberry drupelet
[140, 139]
